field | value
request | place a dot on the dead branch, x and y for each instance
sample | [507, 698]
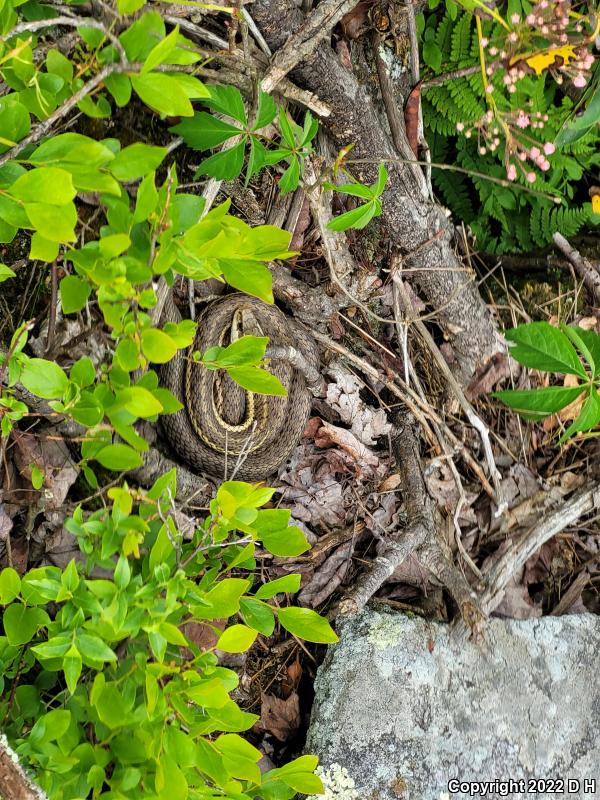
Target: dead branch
[467, 408]
[584, 268]
[408, 218]
[303, 43]
[567, 513]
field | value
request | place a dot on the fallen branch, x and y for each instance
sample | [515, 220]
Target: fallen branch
[303, 43]
[513, 560]
[584, 268]
[420, 537]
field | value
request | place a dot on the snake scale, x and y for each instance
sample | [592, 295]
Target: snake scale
[223, 429]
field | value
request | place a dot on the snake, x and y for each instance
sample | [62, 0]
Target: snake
[223, 429]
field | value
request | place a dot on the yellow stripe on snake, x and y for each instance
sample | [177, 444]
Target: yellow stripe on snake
[222, 427]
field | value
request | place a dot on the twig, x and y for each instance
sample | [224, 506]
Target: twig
[584, 268]
[71, 22]
[419, 510]
[39, 131]
[260, 39]
[467, 408]
[572, 594]
[52, 311]
[496, 580]
[420, 410]
[305, 40]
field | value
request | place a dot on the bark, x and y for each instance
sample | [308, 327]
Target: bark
[14, 783]
[409, 219]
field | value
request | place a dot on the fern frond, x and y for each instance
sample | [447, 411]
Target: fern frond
[461, 38]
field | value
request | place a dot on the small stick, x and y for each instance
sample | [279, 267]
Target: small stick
[584, 268]
[468, 409]
[567, 513]
[305, 40]
[52, 310]
[571, 595]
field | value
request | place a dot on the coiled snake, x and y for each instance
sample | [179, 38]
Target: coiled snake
[222, 428]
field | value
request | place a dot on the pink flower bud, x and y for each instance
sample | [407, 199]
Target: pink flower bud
[489, 88]
[515, 19]
[549, 148]
[534, 153]
[531, 177]
[484, 42]
[530, 19]
[511, 172]
[579, 80]
[545, 165]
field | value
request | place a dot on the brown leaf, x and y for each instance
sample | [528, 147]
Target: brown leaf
[488, 376]
[292, 677]
[411, 118]
[356, 22]
[279, 717]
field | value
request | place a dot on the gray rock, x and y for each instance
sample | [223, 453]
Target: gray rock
[405, 711]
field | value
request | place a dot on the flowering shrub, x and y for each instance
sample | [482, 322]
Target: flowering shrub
[510, 117]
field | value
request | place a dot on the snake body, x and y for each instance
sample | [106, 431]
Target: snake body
[222, 428]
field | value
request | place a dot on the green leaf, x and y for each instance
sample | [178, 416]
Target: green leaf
[10, 585]
[588, 417]
[44, 379]
[287, 132]
[245, 351]
[227, 100]
[577, 127]
[588, 344]
[139, 401]
[203, 131]
[93, 649]
[359, 218]
[136, 161]
[432, 55]
[307, 624]
[285, 542]
[161, 51]
[267, 111]
[42, 248]
[254, 279]
[288, 583]
[46, 185]
[236, 639]
[55, 223]
[225, 165]
[5, 273]
[299, 775]
[163, 94]
[74, 293]
[158, 346]
[223, 600]
[539, 403]
[15, 123]
[37, 477]
[119, 457]
[83, 372]
[539, 345]
[21, 623]
[72, 668]
[257, 615]
[290, 178]
[146, 199]
[382, 176]
[119, 87]
[257, 380]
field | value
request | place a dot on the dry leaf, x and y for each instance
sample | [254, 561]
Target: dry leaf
[279, 717]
